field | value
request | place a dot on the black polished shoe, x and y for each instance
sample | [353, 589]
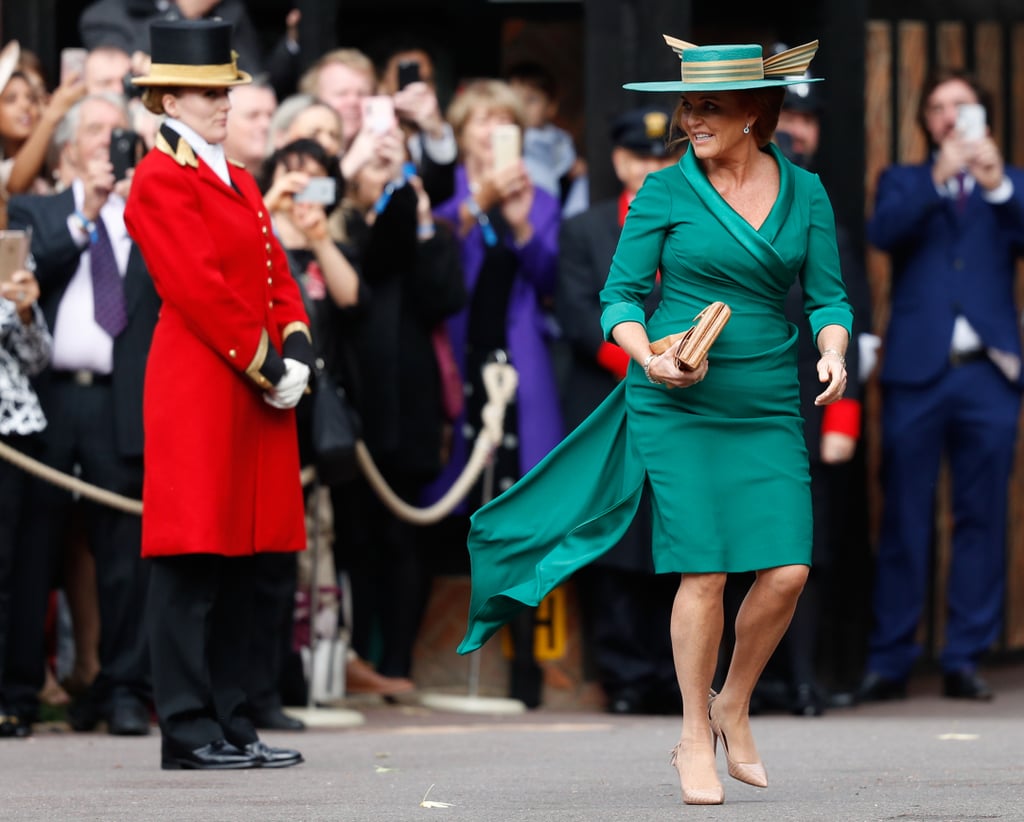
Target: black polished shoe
[877, 688]
[128, 718]
[626, 701]
[966, 685]
[274, 719]
[84, 712]
[217, 756]
[273, 757]
[806, 701]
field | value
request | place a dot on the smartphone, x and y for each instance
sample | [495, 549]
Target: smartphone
[124, 151]
[506, 142]
[379, 113]
[970, 121]
[408, 72]
[72, 61]
[322, 190]
[14, 248]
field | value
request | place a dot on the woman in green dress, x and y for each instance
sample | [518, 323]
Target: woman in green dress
[721, 447]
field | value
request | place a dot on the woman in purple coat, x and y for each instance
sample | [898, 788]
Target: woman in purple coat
[508, 232]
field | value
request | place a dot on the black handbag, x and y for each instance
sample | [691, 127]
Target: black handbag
[335, 427]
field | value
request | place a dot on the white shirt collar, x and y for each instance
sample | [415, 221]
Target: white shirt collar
[210, 153]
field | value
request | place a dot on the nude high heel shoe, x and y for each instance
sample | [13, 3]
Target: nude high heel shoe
[753, 773]
[697, 796]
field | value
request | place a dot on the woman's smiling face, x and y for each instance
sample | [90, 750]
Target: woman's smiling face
[714, 121]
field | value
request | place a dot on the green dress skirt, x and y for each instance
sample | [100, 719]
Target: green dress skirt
[725, 459]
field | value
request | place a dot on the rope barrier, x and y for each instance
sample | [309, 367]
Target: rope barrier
[500, 380]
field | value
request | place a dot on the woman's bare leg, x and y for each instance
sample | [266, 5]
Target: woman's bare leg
[761, 622]
[697, 620]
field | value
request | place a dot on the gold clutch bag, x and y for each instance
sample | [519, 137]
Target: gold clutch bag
[692, 345]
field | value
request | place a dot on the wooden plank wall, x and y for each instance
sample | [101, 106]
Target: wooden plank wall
[898, 56]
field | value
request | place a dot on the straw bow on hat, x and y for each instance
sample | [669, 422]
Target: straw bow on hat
[192, 53]
[733, 67]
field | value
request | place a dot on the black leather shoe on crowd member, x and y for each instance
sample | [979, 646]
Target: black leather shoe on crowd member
[128, 718]
[216, 756]
[13, 725]
[877, 688]
[966, 685]
[626, 701]
[274, 719]
[806, 700]
[273, 757]
[84, 713]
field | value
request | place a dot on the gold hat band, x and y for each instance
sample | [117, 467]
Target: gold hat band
[716, 71]
[223, 71]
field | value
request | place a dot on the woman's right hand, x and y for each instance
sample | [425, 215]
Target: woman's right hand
[663, 369]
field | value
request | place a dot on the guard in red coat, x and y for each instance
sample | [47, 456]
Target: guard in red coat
[229, 361]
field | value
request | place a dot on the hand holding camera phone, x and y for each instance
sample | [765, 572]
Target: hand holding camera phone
[506, 145]
[970, 121]
[125, 146]
[408, 72]
[72, 61]
[14, 250]
[379, 113]
[321, 190]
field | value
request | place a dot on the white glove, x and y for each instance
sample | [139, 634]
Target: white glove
[288, 391]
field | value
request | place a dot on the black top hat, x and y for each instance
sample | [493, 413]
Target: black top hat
[192, 53]
[642, 130]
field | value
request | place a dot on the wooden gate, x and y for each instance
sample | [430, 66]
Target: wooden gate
[898, 56]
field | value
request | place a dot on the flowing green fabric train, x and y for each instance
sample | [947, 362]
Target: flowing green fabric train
[518, 547]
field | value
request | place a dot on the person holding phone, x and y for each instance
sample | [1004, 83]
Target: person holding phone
[951, 389]
[382, 351]
[100, 304]
[27, 124]
[408, 74]
[508, 235]
[25, 348]
[229, 490]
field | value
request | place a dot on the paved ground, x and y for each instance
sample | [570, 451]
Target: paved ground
[925, 759]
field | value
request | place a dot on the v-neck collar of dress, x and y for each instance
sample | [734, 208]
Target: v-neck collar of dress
[716, 202]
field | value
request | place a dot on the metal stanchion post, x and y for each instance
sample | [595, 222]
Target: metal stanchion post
[313, 714]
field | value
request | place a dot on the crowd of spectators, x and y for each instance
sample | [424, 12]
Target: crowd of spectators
[419, 237]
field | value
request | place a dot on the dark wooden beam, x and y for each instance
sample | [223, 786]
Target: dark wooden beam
[623, 43]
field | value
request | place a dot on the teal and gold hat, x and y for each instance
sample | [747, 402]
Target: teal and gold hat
[733, 67]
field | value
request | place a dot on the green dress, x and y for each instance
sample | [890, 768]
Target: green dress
[725, 459]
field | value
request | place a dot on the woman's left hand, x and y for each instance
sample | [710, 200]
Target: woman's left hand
[22, 290]
[831, 369]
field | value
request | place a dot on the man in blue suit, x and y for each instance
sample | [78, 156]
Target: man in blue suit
[951, 380]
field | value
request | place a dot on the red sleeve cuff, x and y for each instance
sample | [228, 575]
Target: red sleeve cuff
[613, 358]
[842, 417]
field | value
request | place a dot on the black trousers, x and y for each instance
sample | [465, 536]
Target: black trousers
[200, 610]
[270, 639]
[389, 575]
[13, 484]
[80, 431]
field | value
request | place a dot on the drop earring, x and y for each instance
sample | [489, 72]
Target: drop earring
[746, 128]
